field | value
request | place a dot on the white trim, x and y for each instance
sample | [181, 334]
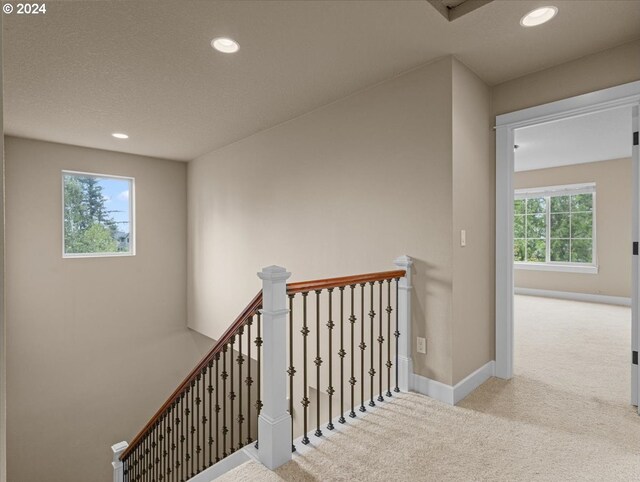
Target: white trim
[569, 295]
[551, 191]
[600, 100]
[606, 99]
[567, 268]
[431, 388]
[228, 463]
[451, 395]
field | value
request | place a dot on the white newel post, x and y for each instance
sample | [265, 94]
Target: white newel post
[405, 365]
[274, 423]
[118, 466]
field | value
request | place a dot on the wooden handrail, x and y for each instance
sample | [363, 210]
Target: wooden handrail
[343, 281]
[251, 308]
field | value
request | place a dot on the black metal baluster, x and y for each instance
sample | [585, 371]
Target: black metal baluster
[352, 380]
[389, 364]
[151, 454]
[305, 399]
[240, 361]
[154, 452]
[172, 439]
[249, 380]
[204, 419]
[363, 346]
[397, 335]
[330, 390]
[167, 445]
[217, 390]
[318, 363]
[291, 370]
[143, 472]
[161, 448]
[182, 437]
[148, 456]
[341, 354]
[210, 392]
[372, 371]
[380, 342]
[200, 420]
[232, 397]
[192, 429]
[197, 422]
[259, 371]
[224, 376]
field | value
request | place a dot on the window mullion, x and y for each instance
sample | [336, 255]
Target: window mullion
[548, 231]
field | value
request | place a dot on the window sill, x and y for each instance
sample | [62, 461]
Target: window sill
[567, 268]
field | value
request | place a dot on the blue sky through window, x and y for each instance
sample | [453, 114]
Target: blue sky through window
[116, 193]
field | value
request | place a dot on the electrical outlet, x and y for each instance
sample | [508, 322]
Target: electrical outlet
[422, 345]
[463, 238]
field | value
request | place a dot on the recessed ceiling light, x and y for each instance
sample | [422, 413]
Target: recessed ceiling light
[538, 16]
[120, 135]
[225, 45]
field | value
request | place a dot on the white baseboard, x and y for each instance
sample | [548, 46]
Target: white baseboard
[225, 465]
[451, 395]
[567, 295]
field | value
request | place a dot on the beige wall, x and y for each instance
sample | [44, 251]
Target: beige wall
[96, 344]
[473, 211]
[601, 70]
[344, 190]
[613, 228]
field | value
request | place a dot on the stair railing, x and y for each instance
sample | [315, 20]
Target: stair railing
[215, 412]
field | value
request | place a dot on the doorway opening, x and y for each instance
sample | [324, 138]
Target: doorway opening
[572, 208]
[560, 246]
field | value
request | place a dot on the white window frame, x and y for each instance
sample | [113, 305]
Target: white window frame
[132, 216]
[547, 193]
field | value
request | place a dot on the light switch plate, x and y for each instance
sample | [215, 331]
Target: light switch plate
[463, 238]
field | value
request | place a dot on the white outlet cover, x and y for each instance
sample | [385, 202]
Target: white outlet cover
[422, 345]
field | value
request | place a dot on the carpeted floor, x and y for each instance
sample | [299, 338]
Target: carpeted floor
[565, 416]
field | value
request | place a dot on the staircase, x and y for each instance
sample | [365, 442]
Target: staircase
[300, 358]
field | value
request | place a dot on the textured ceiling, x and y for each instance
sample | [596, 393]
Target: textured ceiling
[589, 138]
[89, 68]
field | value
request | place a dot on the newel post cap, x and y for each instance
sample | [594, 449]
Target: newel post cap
[117, 450]
[403, 261]
[274, 273]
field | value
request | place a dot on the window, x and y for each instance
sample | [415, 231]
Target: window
[555, 226]
[98, 215]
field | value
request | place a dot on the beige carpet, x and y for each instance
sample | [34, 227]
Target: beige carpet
[565, 416]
